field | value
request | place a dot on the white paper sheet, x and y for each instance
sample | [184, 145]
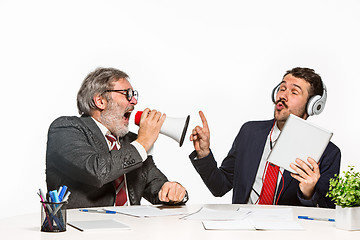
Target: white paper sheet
[210, 214]
[99, 225]
[228, 225]
[147, 211]
[276, 225]
[247, 219]
[271, 214]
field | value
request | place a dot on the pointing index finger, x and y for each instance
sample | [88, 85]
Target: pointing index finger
[203, 119]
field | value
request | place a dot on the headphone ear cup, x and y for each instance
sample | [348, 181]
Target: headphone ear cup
[274, 92]
[313, 104]
[319, 107]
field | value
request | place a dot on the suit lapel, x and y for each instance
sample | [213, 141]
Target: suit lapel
[98, 136]
[257, 149]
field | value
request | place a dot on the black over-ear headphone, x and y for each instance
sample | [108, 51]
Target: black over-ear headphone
[315, 104]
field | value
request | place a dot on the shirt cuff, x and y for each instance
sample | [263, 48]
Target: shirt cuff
[140, 149]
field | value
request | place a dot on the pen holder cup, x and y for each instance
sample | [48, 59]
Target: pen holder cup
[53, 216]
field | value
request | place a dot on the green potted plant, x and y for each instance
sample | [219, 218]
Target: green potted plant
[345, 192]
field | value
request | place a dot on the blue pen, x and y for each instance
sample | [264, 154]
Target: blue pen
[54, 196]
[51, 196]
[97, 211]
[62, 192]
[316, 218]
[59, 190]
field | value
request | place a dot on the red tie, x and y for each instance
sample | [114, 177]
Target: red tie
[269, 185]
[119, 183]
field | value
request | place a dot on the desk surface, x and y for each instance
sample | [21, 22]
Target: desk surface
[171, 227]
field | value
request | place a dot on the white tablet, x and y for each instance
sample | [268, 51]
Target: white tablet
[299, 139]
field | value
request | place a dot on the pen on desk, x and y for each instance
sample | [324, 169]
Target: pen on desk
[97, 211]
[316, 218]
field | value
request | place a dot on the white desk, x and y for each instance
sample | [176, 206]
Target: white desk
[157, 228]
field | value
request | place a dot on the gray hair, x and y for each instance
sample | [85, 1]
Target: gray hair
[96, 82]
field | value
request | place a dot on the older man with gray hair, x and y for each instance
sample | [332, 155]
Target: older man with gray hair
[95, 155]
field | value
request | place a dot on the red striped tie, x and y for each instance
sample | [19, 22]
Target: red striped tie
[119, 183]
[269, 185]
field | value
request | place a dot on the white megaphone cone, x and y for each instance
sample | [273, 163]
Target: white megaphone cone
[172, 127]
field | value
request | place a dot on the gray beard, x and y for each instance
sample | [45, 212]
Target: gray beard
[109, 119]
[121, 132]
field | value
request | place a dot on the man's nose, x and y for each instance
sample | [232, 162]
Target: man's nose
[283, 95]
[133, 101]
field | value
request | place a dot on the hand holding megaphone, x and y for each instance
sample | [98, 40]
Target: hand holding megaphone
[151, 122]
[174, 128]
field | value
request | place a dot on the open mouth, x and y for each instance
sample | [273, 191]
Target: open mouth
[127, 115]
[280, 105]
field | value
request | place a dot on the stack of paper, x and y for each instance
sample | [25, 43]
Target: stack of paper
[99, 225]
[246, 219]
[211, 214]
[146, 211]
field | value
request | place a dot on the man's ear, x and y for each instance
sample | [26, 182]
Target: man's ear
[100, 102]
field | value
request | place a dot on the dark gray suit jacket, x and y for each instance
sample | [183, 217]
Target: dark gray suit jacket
[78, 156]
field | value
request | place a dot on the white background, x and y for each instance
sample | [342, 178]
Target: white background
[222, 57]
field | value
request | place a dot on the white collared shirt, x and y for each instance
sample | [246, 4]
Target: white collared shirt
[258, 183]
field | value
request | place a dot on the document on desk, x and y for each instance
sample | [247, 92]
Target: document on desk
[276, 225]
[228, 225]
[251, 219]
[273, 219]
[262, 214]
[147, 211]
[211, 214]
[251, 225]
[98, 225]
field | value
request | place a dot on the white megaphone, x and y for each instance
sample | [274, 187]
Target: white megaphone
[172, 127]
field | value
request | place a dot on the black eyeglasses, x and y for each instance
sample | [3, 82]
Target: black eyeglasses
[128, 92]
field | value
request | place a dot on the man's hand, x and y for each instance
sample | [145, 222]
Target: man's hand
[172, 192]
[201, 138]
[306, 176]
[150, 125]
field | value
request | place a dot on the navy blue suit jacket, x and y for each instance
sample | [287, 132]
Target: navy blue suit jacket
[238, 170]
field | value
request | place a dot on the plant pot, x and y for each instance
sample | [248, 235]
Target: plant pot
[347, 218]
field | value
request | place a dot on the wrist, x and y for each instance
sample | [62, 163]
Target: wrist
[307, 195]
[202, 154]
[144, 143]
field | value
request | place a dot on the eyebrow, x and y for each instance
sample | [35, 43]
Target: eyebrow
[295, 85]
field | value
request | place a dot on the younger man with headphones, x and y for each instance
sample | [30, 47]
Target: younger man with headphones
[245, 169]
